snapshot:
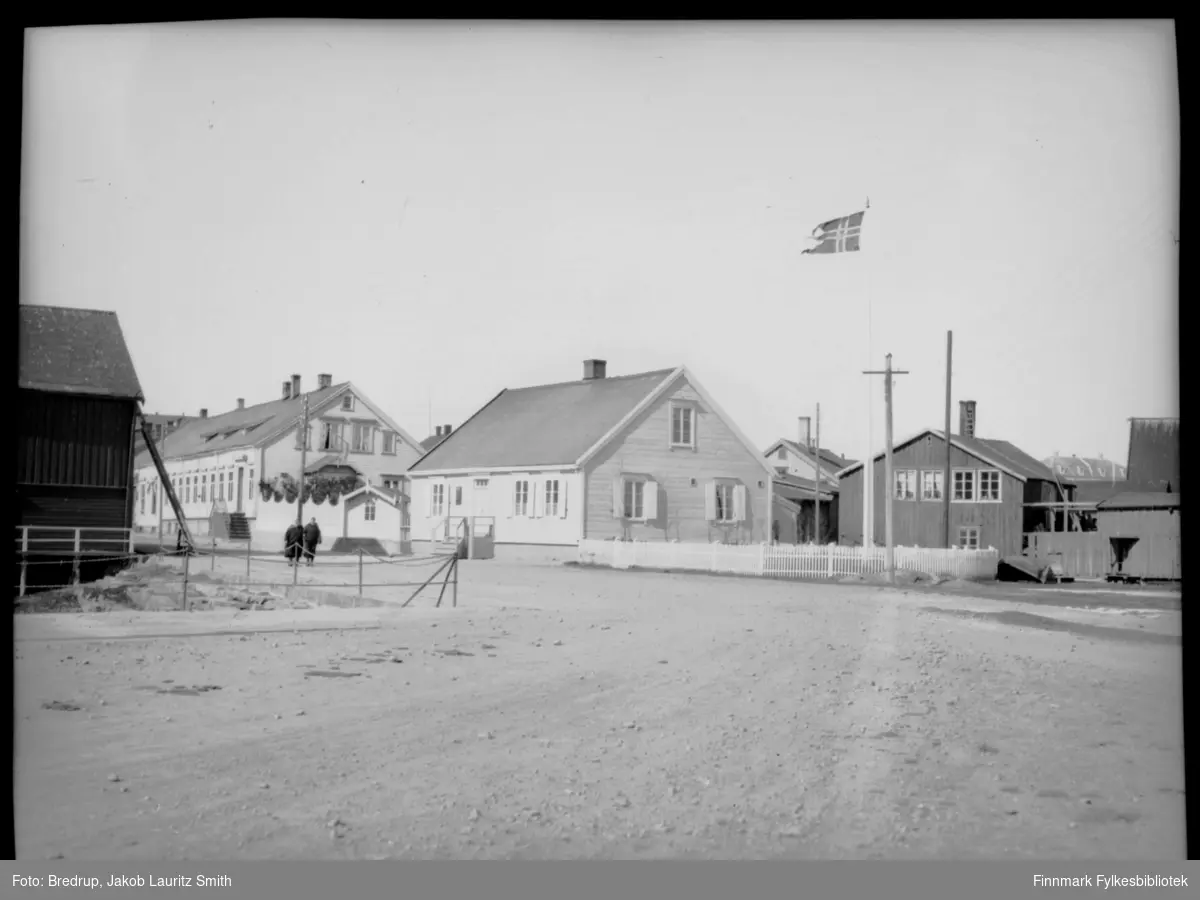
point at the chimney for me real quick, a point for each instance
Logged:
(287, 390)
(437, 430)
(324, 381)
(805, 434)
(446, 429)
(966, 418)
(204, 413)
(295, 385)
(241, 402)
(594, 369)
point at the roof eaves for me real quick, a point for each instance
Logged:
(456, 432)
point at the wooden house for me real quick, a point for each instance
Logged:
(799, 466)
(649, 457)
(77, 396)
(232, 472)
(998, 492)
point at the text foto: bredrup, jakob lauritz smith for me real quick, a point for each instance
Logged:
(126, 881)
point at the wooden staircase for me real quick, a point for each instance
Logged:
(231, 526)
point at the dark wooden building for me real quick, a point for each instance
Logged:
(1143, 531)
(993, 486)
(78, 396)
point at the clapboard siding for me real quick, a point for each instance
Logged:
(66, 439)
(920, 523)
(643, 449)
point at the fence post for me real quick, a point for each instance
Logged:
(187, 555)
(247, 561)
(762, 559)
(454, 594)
(213, 566)
(75, 565)
(829, 562)
(360, 570)
(24, 555)
(131, 542)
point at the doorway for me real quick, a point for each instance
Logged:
(240, 487)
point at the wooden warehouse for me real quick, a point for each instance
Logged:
(1143, 531)
(78, 402)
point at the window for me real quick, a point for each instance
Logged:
(331, 435)
(304, 437)
(968, 538)
(683, 434)
(250, 485)
(229, 489)
(142, 502)
(389, 442)
(782, 453)
(521, 498)
(964, 485)
(369, 510)
(458, 496)
(348, 402)
(725, 501)
(203, 488)
(906, 484)
(931, 485)
(989, 485)
(635, 499)
(481, 484)
(551, 506)
(153, 498)
(437, 499)
(363, 438)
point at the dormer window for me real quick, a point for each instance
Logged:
(348, 403)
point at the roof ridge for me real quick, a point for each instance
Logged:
(246, 409)
(534, 387)
(107, 312)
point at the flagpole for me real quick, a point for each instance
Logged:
(869, 465)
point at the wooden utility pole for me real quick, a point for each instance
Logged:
(946, 472)
(303, 465)
(162, 496)
(889, 489)
(817, 483)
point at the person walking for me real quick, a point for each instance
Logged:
(292, 542)
(312, 537)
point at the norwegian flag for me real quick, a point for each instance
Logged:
(838, 235)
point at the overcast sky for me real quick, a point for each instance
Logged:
(439, 211)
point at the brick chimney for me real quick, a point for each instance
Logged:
(966, 418)
(437, 430)
(241, 402)
(287, 390)
(324, 381)
(805, 431)
(295, 385)
(594, 369)
(204, 413)
(446, 429)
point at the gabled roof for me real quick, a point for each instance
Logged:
(792, 487)
(75, 351)
(564, 424)
(386, 494)
(999, 454)
(255, 426)
(1141, 500)
(830, 459)
(1081, 468)
(1154, 455)
(329, 459)
(547, 425)
(1098, 491)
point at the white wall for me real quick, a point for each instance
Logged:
(219, 469)
(496, 500)
(801, 467)
(274, 519)
(386, 525)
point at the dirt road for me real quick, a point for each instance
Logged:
(570, 713)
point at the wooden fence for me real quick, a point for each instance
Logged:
(786, 560)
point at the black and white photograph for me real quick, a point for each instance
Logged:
(599, 440)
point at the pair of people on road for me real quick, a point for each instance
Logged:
(301, 543)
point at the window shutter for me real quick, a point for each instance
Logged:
(650, 500)
(710, 501)
(537, 499)
(562, 499)
(739, 502)
(618, 497)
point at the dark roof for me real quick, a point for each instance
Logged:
(1141, 500)
(1098, 491)
(228, 430)
(433, 440)
(329, 459)
(1001, 453)
(792, 487)
(549, 425)
(79, 351)
(828, 457)
(1153, 455)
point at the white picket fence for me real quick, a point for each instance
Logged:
(786, 560)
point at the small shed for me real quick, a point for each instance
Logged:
(1143, 531)
(378, 513)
